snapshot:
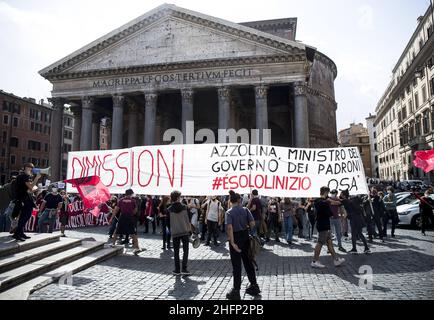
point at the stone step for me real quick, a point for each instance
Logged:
(21, 258)
(19, 275)
(23, 290)
(9, 246)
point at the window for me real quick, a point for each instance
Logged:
(417, 126)
(46, 147)
(102, 140)
(5, 119)
(404, 112)
(34, 145)
(14, 142)
(375, 146)
(5, 135)
(424, 96)
(425, 124)
(23, 160)
(15, 122)
(12, 159)
(416, 100)
(410, 106)
(432, 86)
(67, 148)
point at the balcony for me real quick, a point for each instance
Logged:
(416, 141)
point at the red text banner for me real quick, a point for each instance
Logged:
(214, 169)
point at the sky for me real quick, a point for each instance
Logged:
(365, 38)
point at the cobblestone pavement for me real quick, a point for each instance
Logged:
(403, 268)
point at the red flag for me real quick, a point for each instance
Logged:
(92, 191)
(424, 160)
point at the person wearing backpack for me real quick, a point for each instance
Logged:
(238, 221)
(22, 190)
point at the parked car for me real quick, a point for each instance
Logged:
(409, 214)
(411, 185)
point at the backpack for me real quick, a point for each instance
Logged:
(254, 248)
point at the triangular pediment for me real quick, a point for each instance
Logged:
(169, 34)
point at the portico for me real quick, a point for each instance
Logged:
(173, 65)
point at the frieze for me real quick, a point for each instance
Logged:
(227, 62)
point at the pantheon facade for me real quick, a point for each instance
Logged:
(172, 65)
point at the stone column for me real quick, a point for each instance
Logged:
(187, 110)
(96, 126)
(86, 124)
(76, 110)
(133, 115)
(224, 98)
(301, 116)
(150, 118)
(117, 121)
(261, 110)
(56, 139)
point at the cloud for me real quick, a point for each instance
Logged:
(22, 17)
(366, 18)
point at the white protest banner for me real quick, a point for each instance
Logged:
(214, 169)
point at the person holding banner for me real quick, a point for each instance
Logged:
(324, 213)
(238, 220)
(127, 207)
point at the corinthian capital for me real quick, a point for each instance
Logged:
(261, 92)
(87, 102)
(300, 88)
(118, 100)
(187, 95)
(57, 103)
(151, 98)
(224, 93)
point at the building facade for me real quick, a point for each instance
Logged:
(25, 134)
(173, 65)
(357, 136)
(405, 113)
(372, 132)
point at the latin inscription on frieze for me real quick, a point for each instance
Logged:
(173, 78)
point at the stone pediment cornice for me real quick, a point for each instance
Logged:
(227, 62)
(162, 12)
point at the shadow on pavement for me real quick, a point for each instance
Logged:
(185, 288)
